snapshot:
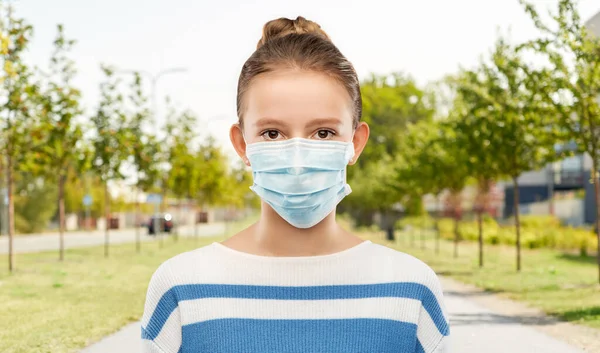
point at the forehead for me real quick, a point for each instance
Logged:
(296, 96)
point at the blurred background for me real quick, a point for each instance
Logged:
(483, 159)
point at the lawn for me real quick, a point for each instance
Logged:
(561, 284)
(53, 307)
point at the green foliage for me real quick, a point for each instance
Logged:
(537, 232)
(422, 221)
(504, 125)
(237, 191)
(212, 176)
(145, 148)
(432, 160)
(77, 187)
(373, 186)
(111, 144)
(570, 83)
(18, 126)
(183, 173)
(61, 108)
(390, 104)
(35, 204)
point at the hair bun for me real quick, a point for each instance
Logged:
(283, 26)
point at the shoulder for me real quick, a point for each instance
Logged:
(405, 267)
(406, 263)
(180, 268)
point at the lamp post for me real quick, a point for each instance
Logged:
(593, 24)
(153, 102)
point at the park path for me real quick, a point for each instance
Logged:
(79, 239)
(480, 322)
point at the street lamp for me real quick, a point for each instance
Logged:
(593, 24)
(153, 82)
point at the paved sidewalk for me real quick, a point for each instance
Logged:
(480, 322)
(43, 242)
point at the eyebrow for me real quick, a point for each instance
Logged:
(267, 122)
(325, 121)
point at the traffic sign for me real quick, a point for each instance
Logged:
(87, 200)
(154, 198)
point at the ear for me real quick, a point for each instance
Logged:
(361, 136)
(239, 143)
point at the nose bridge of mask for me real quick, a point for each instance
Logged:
(297, 160)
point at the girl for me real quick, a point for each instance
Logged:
(296, 281)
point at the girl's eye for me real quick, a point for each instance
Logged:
(271, 135)
(324, 134)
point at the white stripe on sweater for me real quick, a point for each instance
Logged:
(198, 310)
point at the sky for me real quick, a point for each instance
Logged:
(212, 39)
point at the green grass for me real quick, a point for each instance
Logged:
(51, 307)
(560, 284)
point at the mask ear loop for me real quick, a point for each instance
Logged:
(351, 158)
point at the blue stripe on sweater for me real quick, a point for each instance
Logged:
(170, 299)
(420, 348)
(301, 336)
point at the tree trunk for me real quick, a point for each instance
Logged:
(138, 241)
(437, 236)
(423, 229)
(107, 216)
(597, 199)
(480, 225)
(517, 222)
(11, 212)
(437, 227)
(551, 189)
(162, 210)
(176, 223)
(61, 216)
(195, 224)
(456, 236)
(389, 224)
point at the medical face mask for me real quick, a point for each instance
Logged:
(303, 180)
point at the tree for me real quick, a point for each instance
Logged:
(18, 128)
(433, 162)
(454, 173)
(519, 126)
(64, 135)
(144, 147)
(238, 181)
(389, 104)
(476, 130)
(34, 206)
(110, 142)
(375, 189)
(212, 174)
(570, 83)
(182, 180)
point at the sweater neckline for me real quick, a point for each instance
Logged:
(309, 258)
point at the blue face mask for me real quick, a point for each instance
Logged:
(303, 180)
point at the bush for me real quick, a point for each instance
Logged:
(423, 221)
(536, 232)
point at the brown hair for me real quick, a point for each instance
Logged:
(299, 44)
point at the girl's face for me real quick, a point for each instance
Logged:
(286, 104)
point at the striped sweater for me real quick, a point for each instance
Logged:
(367, 299)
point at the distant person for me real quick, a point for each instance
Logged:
(296, 281)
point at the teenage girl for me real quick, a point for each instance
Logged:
(295, 281)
